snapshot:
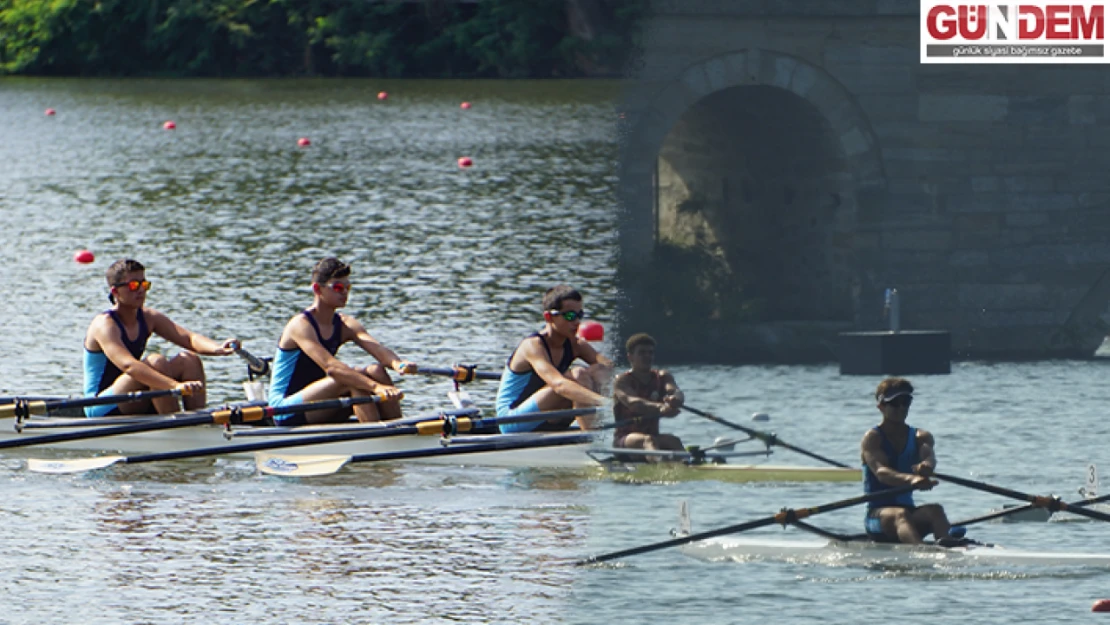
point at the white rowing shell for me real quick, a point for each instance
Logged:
(837, 552)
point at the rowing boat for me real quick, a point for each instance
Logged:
(855, 552)
(591, 459)
(851, 552)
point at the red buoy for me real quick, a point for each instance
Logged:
(382, 95)
(169, 125)
(304, 142)
(1102, 605)
(591, 331)
(465, 162)
(84, 257)
(50, 112)
(464, 105)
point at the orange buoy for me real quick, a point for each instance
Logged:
(591, 331)
(169, 125)
(464, 105)
(304, 142)
(382, 95)
(50, 112)
(84, 257)
(465, 162)
(1102, 605)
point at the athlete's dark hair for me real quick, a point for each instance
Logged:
(553, 299)
(328, 269)
(118, 269)
(637, 340)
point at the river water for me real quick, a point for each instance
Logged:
(229, 216)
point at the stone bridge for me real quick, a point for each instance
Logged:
(786, 161)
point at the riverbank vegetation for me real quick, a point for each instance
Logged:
(386, 38)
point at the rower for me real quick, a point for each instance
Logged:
(116, 340)
(644, 391)
(895, 454)
(538, 375)
(305, 367)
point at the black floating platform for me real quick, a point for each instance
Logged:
(909, 352)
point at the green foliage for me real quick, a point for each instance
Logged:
(429, 38)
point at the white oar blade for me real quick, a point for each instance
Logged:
(78, 465)
(298, 466)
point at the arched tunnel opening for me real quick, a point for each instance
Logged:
(754, 213)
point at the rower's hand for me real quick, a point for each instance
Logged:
(189, 387)
(389, 393)
(404, 367)
(920, 482)
(923, 469)
(228, 347)
(670, 408)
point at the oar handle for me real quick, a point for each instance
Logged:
(460, 373)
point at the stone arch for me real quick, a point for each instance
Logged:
(717, 86)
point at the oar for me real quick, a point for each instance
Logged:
(255, 365)
(307, 466)
(460, 373)
(767, 438)
(10, 399)
(1051, 503)
(786, 515)
(167, 422)
(449, 427)
(1016, 509)
(80, 465)
(23, 408)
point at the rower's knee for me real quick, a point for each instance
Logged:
(159, 363)
(582, 377)
(378, 373)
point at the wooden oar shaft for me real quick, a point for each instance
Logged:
(786, 515)
(1038, 501)
(766, 437)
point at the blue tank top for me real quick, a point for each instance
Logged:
(900, 462)
(100, 372)
(517, 387)
(293, 370)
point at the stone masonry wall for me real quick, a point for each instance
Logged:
(980, 192)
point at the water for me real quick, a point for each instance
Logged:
(229, 216)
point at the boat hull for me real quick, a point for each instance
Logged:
(863, 552)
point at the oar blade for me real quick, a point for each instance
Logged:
(293, 465)
(76, 465)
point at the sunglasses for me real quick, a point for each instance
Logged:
(340, 287)
(900, 402)
(134, 285)
(570, 315)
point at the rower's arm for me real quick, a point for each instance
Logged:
(562, 385)
(871, 450)
(925, 452)
(166, 328)
(625, 393)
(108, 338)
(304, 336)
(371, 346)
(671, 393)
(589, 355)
